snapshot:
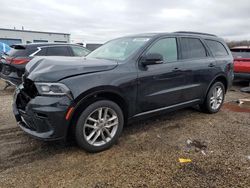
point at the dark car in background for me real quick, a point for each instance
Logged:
(12, 64)
(125, 79)
(241, 56)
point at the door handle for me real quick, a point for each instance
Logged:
(211, 65)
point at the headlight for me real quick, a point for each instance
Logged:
(53, 89)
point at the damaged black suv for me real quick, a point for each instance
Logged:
(126, 78)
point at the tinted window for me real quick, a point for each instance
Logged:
(35, 41)
(217, 48)
(78, 51)
(58, 51)
(42, 52)
(21, 51)
(167, 48)
(192, 48)
(241, 53)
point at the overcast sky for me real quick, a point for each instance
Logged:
(99, 21)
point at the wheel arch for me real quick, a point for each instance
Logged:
(222, 78)
(88, 97)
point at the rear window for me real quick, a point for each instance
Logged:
(217, 48)
(58, 51)
(240, 53)
(21, 51)
(78, 51)
(192, 48)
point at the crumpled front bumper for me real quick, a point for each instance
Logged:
(42, 117)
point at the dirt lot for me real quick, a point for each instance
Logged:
(146, 155)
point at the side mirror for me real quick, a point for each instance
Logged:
(152, 59)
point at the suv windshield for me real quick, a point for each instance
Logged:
(119, 49)
(240, 53)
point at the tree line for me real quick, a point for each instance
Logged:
(232, 44)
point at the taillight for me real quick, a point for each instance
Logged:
(8, 59)
(19, 61)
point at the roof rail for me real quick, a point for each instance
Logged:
(197, 33)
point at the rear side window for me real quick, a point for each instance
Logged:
(42, 52)
(78, 51)
(166, 47)
(217, 48)
(58, 51)
(192, 48)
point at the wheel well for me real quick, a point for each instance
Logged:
(93, 98)
(223, 80)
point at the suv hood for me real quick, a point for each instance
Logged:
(51, 69)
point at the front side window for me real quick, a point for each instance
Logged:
(217, 48)
(77, 51)
(166, 47)
(119, 49)
(192, 48)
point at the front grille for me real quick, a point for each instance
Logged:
(29, 87)
(27, 93)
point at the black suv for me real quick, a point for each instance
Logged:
(126, 78)
(12, 64)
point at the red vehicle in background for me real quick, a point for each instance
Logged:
(241, 56)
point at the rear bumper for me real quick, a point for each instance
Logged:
(15, 81)
(42, 117)
(11, 74)
(242, 75)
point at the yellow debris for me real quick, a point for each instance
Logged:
(182, 160)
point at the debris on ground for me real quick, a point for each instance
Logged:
(183, 160)
(244, 101)
(245, 89)
(196, 145)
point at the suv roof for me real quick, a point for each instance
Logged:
(189, 33)
(42, 44)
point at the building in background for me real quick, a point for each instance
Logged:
(15, 36)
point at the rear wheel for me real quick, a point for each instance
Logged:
(99, 126)
(214, 98)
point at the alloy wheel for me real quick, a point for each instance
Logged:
(216, 98)
(100, 126)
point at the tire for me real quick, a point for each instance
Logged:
(95, 132)
(208, 106)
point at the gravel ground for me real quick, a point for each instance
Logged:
(146, 155)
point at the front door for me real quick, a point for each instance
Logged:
(161, 85)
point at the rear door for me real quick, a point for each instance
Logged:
(196, 58)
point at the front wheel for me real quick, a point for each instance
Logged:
(214, 98)
(99, 126)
